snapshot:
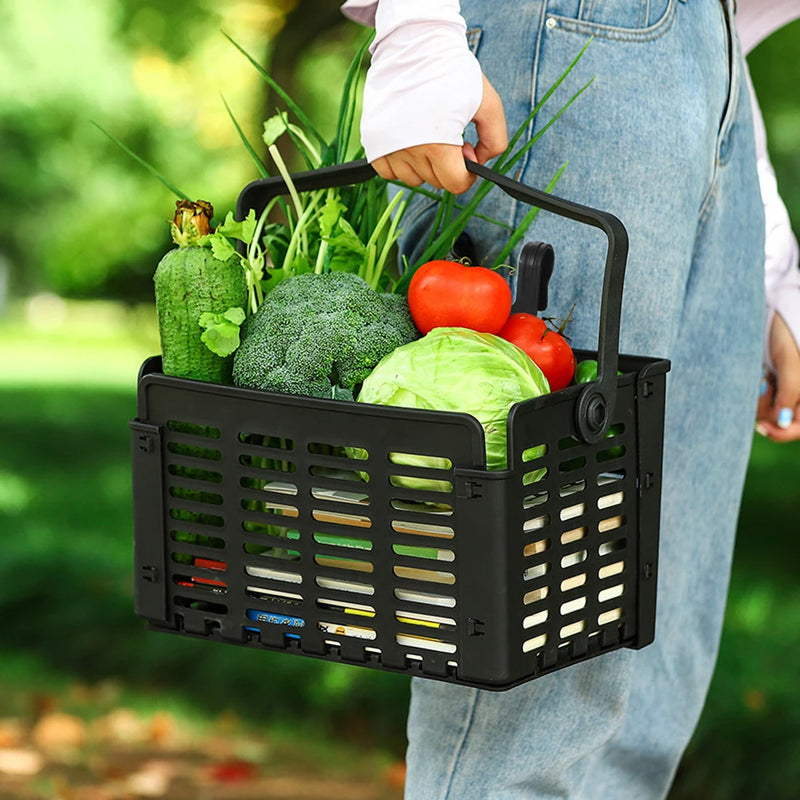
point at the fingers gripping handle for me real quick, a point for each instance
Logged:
(595, 405)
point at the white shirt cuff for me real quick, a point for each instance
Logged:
(424, 86)
(386, 15)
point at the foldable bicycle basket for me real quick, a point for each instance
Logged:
(254, 526)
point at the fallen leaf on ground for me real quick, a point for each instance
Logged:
(218, 748)
(233, 771)
(21, 762)
(59, 731)
(122, 725)
(162, 728)
(11, 732)
(395, 775)
(152, 780)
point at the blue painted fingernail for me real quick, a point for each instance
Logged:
(785, 417)
(762, 389)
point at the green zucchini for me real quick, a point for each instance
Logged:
(190, 281)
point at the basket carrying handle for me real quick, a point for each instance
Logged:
(595, 406)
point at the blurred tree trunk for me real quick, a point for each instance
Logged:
(306, 23)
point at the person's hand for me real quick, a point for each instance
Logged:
(778, 415)
(442, 165)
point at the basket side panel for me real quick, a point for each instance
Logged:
(485, 590)
(148, 512)
(578, 573)
(323, 527)
(651, 398)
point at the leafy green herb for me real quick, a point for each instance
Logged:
(323, 230)
(280, 91)
(221, 334)
(260, 166)
(243, 230)
(279, 124)
(349, 228)
(223, 248)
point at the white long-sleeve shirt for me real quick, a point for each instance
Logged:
(424, 86)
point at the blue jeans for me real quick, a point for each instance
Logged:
(663, 139)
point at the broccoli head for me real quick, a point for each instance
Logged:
(320, 335)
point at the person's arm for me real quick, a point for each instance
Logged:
(423, 87)
(778, 413)
(779, 407)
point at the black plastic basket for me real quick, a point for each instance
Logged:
(254, 526)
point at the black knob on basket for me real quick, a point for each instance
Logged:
(534, 271)
(464, 248)
(591, 415)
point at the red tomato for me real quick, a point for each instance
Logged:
(549, 349)
(444, 294)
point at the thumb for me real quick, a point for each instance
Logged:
(490, 123)
(469, 151)
(787, 390)
(786, 359)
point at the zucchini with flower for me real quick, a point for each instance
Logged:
(196, 289)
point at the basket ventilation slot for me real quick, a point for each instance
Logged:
(575, 580)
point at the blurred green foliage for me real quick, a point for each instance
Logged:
(80, 218)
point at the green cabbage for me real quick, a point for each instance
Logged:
(457, 369)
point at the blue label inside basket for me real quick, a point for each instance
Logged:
(274, 619)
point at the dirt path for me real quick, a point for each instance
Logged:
(126, 755)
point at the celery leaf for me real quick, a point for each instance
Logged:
(221, 247)
(221, 334)
(243, 231)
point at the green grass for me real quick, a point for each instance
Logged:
(67, 391)
(48, 342)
